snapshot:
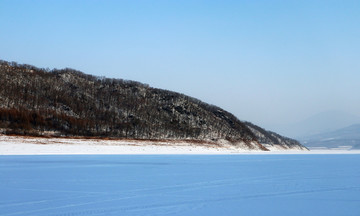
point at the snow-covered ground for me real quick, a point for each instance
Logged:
(179, 185)
(19, 145)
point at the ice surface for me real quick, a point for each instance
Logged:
(69, 185)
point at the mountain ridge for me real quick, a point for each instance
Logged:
(347, 137)
(322, 122)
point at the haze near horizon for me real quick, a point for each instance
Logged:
(271, 63)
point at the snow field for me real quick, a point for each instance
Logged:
(17, 145)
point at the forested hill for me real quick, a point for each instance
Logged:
(70, 103)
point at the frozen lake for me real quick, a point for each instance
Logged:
(180, 185)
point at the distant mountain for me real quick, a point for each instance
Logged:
(320, 123)
(67, 102)
(348, 138)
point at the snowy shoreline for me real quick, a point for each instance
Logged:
(18, 145)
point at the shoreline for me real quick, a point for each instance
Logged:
(22, 145)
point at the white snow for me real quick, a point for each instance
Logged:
(18, 145)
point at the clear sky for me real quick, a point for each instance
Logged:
(268, 62)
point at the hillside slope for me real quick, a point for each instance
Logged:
(67, 102)
(272, 140)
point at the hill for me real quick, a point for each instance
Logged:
(36, 101)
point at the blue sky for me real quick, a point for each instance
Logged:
(269, 62)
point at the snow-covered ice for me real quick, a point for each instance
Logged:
(64, 185)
